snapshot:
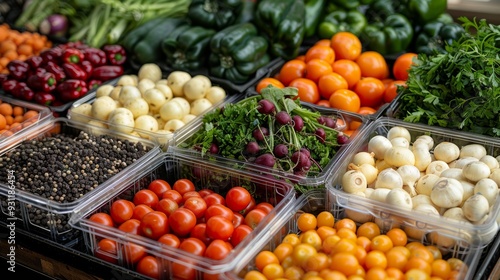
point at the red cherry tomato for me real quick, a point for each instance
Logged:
(121, 210)
(204, 192)
(219, 227)
(154, 224)
(219, 210)
(218, 250)
(182, 221)
(140, 211)
(149, 266)
(214, 198)
(199, 231)
(196, 204)
(102, 218)
(238, 198)
(254, 217)
(167, 206)
(240, 232)
(170, 239)
(131, 226)
(249, 207)
(183, 186)
(189, 194)
(107, 250)
(266, 206)
(147, 197)
(174, 195)
(159, 186)
(238, 219)
(193, 246)
(133, 252)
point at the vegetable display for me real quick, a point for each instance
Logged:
(270, 130)
(460, 88)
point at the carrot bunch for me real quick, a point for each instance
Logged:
(19, 45)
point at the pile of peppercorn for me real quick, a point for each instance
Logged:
(63, 73)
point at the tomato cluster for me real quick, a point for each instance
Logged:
(201, 222)
(337, 73)
(329, 249)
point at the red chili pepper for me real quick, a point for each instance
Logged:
(57, 70)
(72, 89)
(115, 54)
(45, 82)
(107, 72)
(94, 84)
(44, 98)
(96, 56)
(18, 69)
(71, 55)
(34, 61)
(74, 71)
(9, 85)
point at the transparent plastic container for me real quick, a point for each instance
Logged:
(16, 134)
(49, 217)
(480, 234)
(204, 174)
(315, 201)
(164, 140)
(310, 180)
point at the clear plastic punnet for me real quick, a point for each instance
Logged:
(449, 219)
(163, 138)
(175, 263)
(318, 200)
(39, 194)
(13, 135)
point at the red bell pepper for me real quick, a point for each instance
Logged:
(3, 78)
(94, 84)
(96, 56)
(72, 56)
(26, 93)
(18, 69)
(45, 82)
(57, 70)
(53, 54)
(21, 91)
(34, 61)
(73, 71)
(9, 85)
(87, 67)
(72, 89)
(107, 72)
(115, 54)
(44, 98)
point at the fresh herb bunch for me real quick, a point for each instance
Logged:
(460, 88)
(270, 130)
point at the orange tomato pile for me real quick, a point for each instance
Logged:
(329, 249)
(336, 73)
(14, 117)
(19, 45)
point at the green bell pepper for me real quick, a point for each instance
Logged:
(282, 23)
(148, 48)
(187, 47)
(423, 11)
(352, 21)
(214, 14)
(237, 52)
(314, 10)
(390, 36)
(345, 4)
(435, 35)
(247, 13)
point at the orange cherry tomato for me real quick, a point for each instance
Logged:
(268, 81)
(346, 45)
(370, 91)
(329, 83)
(315, 68)
(392, 90)
(349, 70)
(345, 99)
(308, 90)
(292, 70)
(373, 64)
(402, 65)
(325, 53)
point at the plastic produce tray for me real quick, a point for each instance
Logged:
(171, 167)
(311, 180)
(48, 217)
(163, 140)
(475, 234)
(315, 201)
(14, 135)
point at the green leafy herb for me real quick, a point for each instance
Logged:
(231, 128)
(460, 88)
